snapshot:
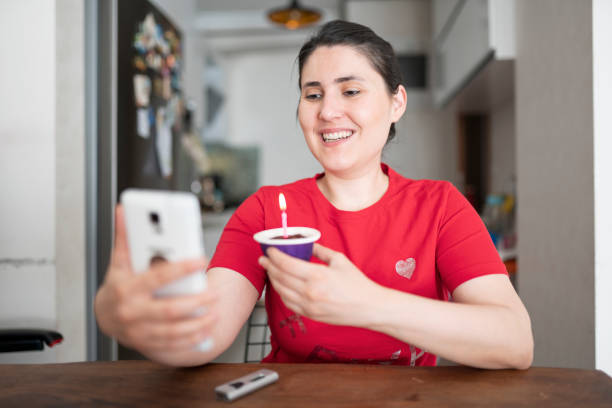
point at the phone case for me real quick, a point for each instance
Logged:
(165, 225)
(246, 384)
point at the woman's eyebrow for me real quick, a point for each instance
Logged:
(311, 83)
(348, 78)
(337, 80)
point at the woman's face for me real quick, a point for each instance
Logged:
(345, 110)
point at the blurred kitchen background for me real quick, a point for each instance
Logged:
(507, 99)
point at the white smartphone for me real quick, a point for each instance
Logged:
(165, 226)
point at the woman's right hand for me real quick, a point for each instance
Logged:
(127, 309)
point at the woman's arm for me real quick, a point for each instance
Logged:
(486, 325)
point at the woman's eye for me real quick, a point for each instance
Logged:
(351, 92)
(313, 96)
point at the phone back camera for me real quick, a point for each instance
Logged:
(154, 217)
(155, 220)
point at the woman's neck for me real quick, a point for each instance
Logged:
(356, 191)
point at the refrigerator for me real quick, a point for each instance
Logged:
(134, 70)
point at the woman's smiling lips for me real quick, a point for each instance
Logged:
(335, 135)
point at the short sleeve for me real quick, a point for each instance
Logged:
(237, 250)
(464, 248)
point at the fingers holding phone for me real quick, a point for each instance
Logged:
(169, 324)
(128, 309)
(154, 291)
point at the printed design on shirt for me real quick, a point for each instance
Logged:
(414, 355)
(405, 268)
(394, 359)
(288, 322)
(320, 354)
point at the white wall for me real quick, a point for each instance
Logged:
(70, 258)
(27, 167)
(425, 146)
(262, 97)
(602, 147)
(42, 211)
(554, 114)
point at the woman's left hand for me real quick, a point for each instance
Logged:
(334, 293)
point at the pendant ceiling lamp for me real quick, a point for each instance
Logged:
(294, 16)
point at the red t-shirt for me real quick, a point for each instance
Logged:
(421, 237)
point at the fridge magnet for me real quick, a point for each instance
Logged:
(171, 111)
(142, 123)
(163, 144)
(139, 64)
(142, 90)
(145, 38)
(157, 87)
(166, 91)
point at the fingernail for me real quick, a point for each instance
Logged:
(260, 260)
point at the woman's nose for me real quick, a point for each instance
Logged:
(331, 108)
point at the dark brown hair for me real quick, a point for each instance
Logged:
(378, 51)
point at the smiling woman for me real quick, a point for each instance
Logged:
(345, 110)
(392, 250)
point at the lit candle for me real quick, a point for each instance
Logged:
(283, 206)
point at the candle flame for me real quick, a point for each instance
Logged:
(281, 202)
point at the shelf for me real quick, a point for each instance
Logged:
(507, 254)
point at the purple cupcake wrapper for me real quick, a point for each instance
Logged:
(302, 251)
(294, 247)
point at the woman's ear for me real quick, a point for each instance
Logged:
(398, 103)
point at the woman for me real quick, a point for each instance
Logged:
(392, 249)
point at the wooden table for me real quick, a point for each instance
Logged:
(142, 383)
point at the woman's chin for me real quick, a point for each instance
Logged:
(338, 166)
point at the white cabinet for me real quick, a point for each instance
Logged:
(404, 24)
(441, 12)
(468, 35)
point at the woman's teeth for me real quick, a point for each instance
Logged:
(330, 137)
